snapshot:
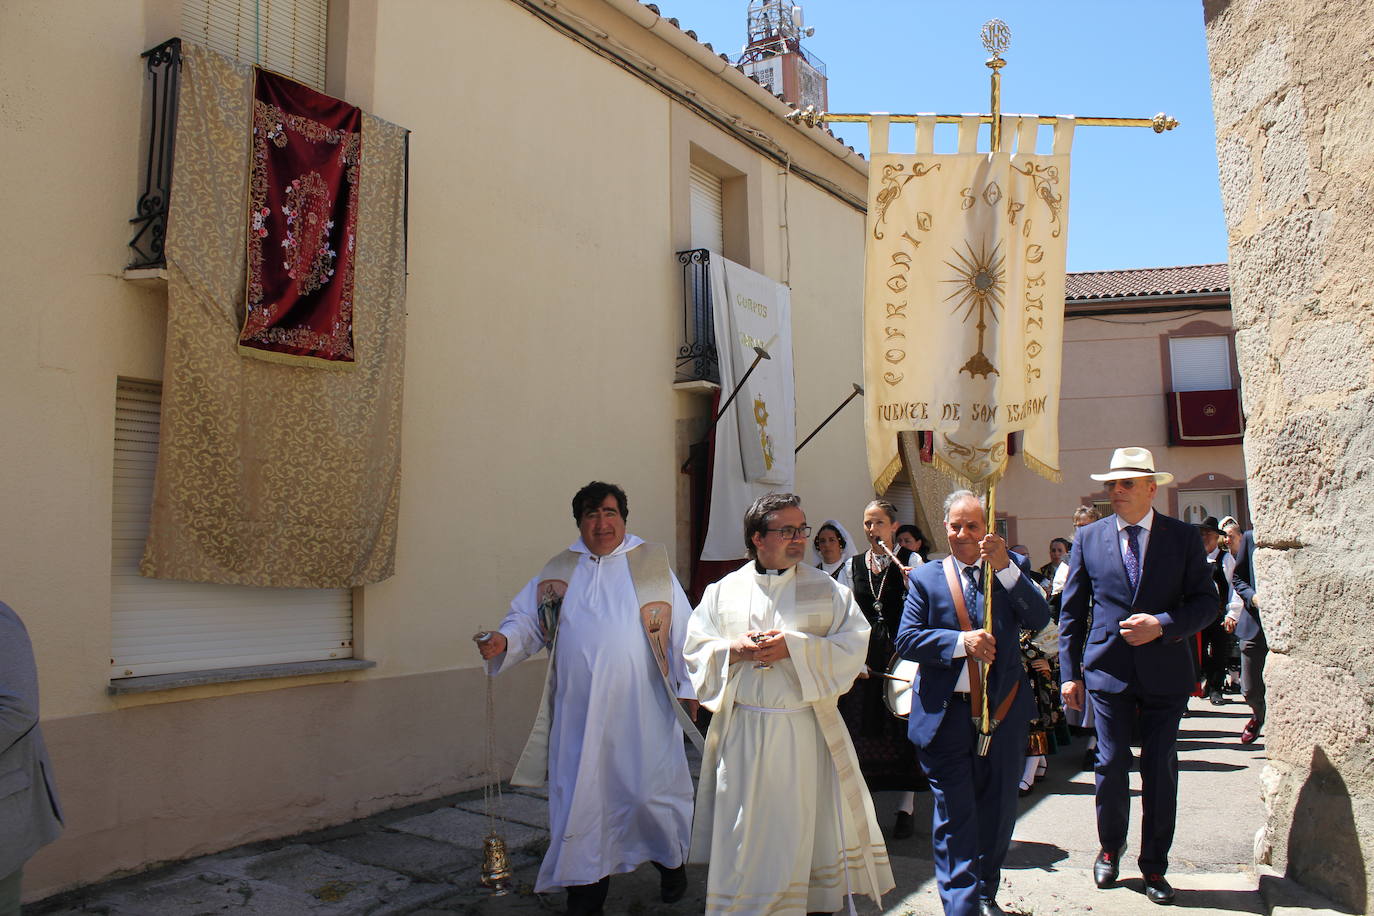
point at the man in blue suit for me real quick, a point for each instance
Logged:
(1247, 626)
(1146, 578)
(941, 629)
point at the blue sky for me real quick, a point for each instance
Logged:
(1137, 199)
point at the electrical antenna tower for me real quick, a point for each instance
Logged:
(775, 57)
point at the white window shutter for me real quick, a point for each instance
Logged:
(708, 210)
(286, 36)
(1200, 363)
(162, 626)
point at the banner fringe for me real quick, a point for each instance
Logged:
(888, 475)
(1044, 470)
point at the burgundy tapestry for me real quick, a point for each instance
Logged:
(1205, 417)
(302, 221)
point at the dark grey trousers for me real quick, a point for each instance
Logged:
(9, 893)
(1253, 652)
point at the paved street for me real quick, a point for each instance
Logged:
(425, 859)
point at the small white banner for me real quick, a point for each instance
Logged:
(756, 440)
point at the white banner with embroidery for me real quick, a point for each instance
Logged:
(756, 440)
(964, 299)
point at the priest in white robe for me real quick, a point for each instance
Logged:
(783, 817)
(610, 728)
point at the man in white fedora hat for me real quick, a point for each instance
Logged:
(1145, 576)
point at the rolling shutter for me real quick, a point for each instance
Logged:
(287, 36)
(161, 626)
(1200, 363)
(708, 210)
(901, 496)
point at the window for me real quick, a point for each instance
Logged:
(161, 626)
(708, 209)
(1194, 506)
(287, 36)
(1200, 363)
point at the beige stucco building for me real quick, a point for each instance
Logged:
(552, 156)
(1134, 340)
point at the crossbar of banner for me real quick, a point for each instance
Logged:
(813, 118)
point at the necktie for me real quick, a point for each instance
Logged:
(975, 606)
(1133, 554)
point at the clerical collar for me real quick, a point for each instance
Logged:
(758, 569)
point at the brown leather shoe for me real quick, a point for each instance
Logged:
(1250, 732)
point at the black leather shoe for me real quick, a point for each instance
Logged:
(1216, 699)
(1089, 759)
(1106, 868)
(1158, 890)
(904, 827)
(672, 883)
(988, 907)
(588, 899)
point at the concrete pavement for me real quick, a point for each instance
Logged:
(425, 859)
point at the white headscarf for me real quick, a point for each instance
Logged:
(849, 550)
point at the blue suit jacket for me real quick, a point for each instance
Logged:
(1175, 586)
(1243, 581)
(929, 634)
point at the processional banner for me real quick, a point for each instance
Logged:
(756, 440)
(964, 299)
(302, 225)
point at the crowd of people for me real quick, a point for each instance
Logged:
(871, 667)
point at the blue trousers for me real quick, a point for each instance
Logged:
(1158, 716)
(975, 805)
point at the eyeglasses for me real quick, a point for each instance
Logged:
(1125, 483)
(792, 534)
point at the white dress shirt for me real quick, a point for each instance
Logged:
(1008, 577)
(1235, 604)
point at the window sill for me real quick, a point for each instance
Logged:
(146, 276)
(148, 683)
(700, 385)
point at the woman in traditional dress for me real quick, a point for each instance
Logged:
(886, 756)
(1048, 730)
(834, 548)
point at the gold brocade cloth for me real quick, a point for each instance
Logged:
(268, 474)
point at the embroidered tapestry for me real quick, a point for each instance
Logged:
(302, 225)
(1198, 418)
(271, 474)
(964, 299)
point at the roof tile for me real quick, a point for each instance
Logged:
(1148, 281)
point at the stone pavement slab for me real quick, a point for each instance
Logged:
(425, 859)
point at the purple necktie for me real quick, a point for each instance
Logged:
(1133, 555)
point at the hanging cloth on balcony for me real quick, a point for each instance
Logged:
(270, 474)
(302, 225)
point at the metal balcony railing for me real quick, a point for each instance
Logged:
(697, 358)
(163, 76)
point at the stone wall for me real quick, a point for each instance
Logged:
(1293, 93)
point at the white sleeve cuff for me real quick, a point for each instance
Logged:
(960, 650)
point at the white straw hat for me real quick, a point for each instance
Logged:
(1133, 462)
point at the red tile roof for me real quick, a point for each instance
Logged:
(1148, 281)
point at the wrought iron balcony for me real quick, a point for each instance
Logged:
(163, 76)
(697, 358)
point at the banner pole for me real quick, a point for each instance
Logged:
(985, 723)
(858, 390)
